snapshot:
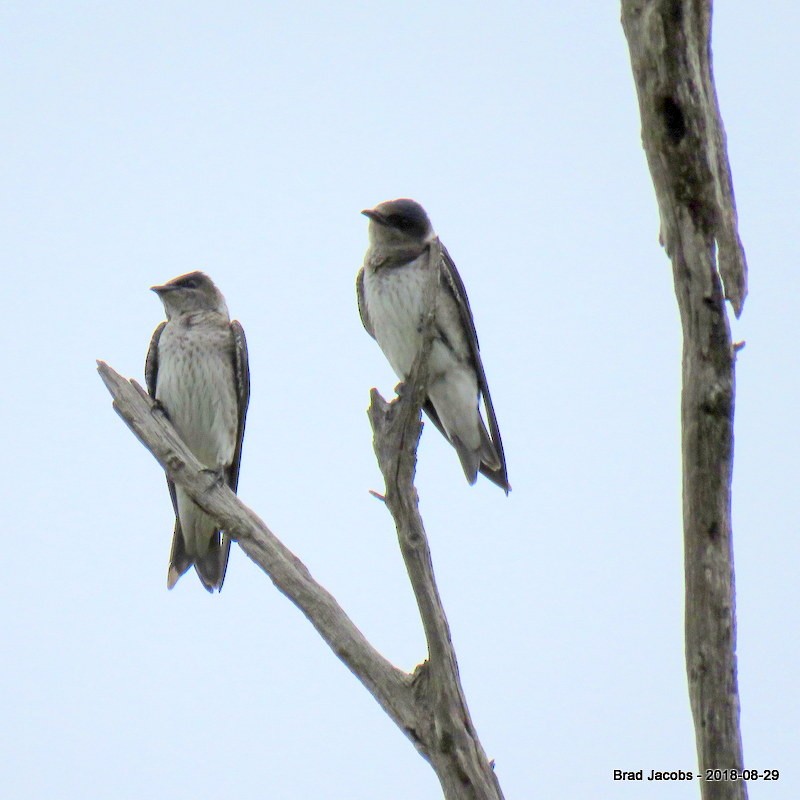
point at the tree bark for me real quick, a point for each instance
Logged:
(429, 705)
(448, 736)
(684, 140)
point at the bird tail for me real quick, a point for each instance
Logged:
(470, 459)
(488, 454)
(492, 462)
(484, 459)
(210, 567)
(179, 559)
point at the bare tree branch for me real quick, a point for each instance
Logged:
(683, 137)
(447, 736)
(391, 687)
(428, 706)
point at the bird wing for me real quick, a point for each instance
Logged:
(241, 371)
(151, 362)
(362, 304)
(151, 379)
(452, 282)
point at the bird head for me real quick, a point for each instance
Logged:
(399, 223)
(188, 293)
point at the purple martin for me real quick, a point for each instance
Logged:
(390, 289)
(197, 370)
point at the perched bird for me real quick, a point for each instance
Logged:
(390, 288)
(197, 370)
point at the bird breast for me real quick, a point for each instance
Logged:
(196, 386)
(395, 303)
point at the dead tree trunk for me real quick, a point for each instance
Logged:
(428, 705)
(683, 137)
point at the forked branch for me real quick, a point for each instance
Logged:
(447, 735)
(428, 705)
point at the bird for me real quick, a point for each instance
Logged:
(197, 371)
(390, 288)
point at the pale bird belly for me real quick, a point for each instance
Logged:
(395, 305)
(394, 299)
(454, 394)
(198, 395)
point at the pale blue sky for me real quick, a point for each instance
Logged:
(143, 140)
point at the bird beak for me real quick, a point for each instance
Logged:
(374, 215)
(159, 290)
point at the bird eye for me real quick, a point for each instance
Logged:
(399, 221)
(191, 283)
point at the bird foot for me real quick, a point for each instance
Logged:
(218, 474)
